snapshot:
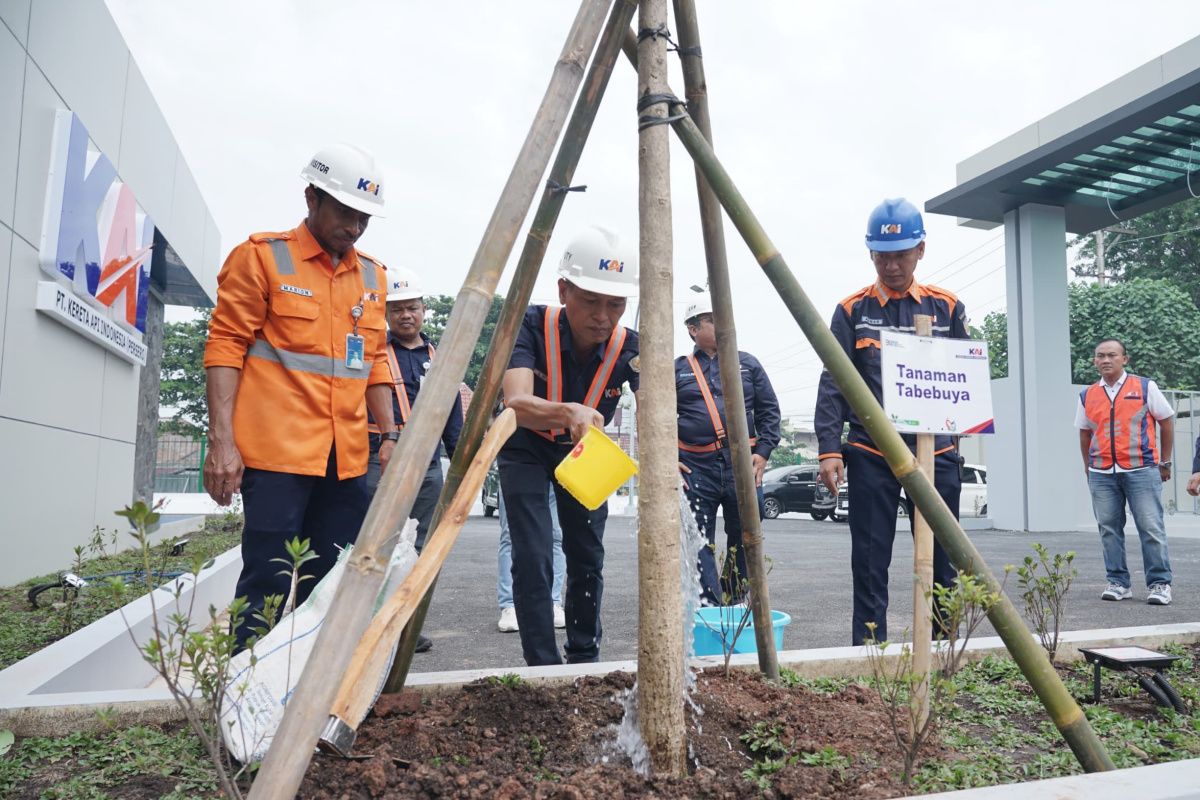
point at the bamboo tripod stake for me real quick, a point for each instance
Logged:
(727, 350)
(922, 636)
(660, 602)
(349, 613)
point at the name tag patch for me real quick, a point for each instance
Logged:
(283, 287)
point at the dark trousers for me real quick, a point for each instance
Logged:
(711, 485)
(524, 480)
(874, 498)
(279, 506)
(427, 495)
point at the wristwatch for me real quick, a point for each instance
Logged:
(1166, 464)
(390, 436)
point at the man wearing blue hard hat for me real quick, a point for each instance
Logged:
(896, 242)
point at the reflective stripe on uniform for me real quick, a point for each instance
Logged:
(370, 279)
(283, 257)
(595, 392)
(399, 389)
(305, 362)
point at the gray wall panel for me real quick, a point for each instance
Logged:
(148, 152)
(15, 14)
(37, 128)
(12, 85)
(77, 45)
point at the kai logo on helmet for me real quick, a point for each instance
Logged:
(891, 228)
(611, 265)
(370, 187)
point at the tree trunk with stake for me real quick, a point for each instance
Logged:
(487, 389)
(712, 226)
(353, 603)
(922, 637)
(1026, 652)
(660, 601)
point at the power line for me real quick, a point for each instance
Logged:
(981, 277)
(969, 263)
(956, 259)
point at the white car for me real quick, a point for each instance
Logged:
(971, 503)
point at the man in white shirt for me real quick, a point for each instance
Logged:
(1117, 418)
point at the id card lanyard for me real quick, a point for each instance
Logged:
(355, 344)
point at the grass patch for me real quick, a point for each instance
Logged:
(24, 630)
(142, 761)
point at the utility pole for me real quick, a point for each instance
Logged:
(1102, 246)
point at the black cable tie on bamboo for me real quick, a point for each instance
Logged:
(557, 188)
(689, 51)
(654, 33)
(648, 100)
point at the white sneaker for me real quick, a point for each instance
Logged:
(560, 616)
(1115, 591)
(1160, 595)
(508, 620)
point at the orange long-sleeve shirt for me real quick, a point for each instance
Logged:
(282, 317)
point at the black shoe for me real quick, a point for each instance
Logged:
(424, 644)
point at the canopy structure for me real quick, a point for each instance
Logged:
(1127, 148)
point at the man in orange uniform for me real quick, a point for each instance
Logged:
(296, 343)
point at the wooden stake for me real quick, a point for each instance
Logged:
(922, 637)
(351, 609)
(711, 224)
(487, 389)
(366, 666)
(660, 606)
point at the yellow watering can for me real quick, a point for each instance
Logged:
(594, 469)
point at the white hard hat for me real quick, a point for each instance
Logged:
(403, 284)
(349, 175)
(701, 304)
(597, 261)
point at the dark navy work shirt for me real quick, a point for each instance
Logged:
(695, 424)
(529, 352)
(414, 363)
(857, 322)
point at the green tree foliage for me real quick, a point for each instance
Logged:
(789, 451)
(995, 333)
(182, 377)
(1165, 245)
(437, 314)
(1157, 321)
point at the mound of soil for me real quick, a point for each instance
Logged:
(493, 740)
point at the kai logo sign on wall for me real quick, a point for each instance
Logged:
(96, 243)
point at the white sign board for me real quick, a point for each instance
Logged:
(61, 305)
(933, 385)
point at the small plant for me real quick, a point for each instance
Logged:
(1044, 584)
(537, 750)
(71, 592)
(101, 540)
(962, 608)
(509, 680)
(735, 619)
(765, 740)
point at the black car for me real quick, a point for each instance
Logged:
(490, 496)
(797, 488)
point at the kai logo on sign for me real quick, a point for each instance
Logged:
(95, 237)
(611, 265)
(370, 187)
(894, 227)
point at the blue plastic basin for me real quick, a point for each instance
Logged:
(714, 626)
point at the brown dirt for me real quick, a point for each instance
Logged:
(558, 742)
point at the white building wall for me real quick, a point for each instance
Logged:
(67, 406)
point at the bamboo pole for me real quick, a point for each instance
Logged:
(712, 226)
(922, 637)
(351, 609)
(660, 602)
(479, 414)
(1029, 656)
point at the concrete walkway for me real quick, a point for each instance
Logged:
(810, 579)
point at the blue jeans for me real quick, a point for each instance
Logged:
(504, 597)
(1142, 489)
(711, 485)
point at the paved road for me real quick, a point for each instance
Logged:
(810, 580)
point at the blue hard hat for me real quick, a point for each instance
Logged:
(895, 224)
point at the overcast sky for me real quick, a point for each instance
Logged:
(819, 111)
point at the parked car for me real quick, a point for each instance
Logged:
(972, 502)
(491, 491)
(796, 488)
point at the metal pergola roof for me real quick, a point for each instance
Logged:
(1130, 147)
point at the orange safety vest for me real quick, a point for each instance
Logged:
(398, 388)
(1124, 430)
(554, 370)
(282, 316)
(714, 415)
